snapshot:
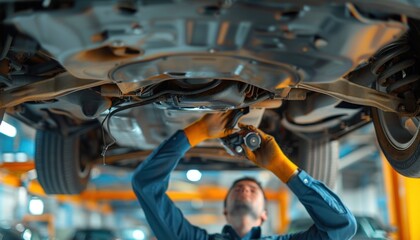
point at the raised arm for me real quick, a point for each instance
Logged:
(151, 178)
(332, 219)
(150, 182)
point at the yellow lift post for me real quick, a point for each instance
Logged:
(403, 195)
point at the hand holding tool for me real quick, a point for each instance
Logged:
(269, 155)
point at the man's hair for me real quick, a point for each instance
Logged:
(245, 179)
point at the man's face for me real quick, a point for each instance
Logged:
(246, 198)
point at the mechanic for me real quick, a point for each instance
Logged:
(245, 202)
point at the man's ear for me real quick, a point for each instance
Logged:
(264, 216)
(225, 212)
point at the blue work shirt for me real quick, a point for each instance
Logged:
(150, 182)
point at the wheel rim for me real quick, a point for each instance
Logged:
(401, 132)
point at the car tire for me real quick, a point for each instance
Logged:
(61, 163)
(400, 146)
(319, 158)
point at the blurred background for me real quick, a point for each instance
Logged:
(383, 202)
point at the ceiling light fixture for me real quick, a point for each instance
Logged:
(7, 129)
(193, 175)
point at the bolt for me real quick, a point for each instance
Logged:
(239, 149)
(402, 108)
(320, 42)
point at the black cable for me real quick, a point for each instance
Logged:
(144, 101)
(109, 116)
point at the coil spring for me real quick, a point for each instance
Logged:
(393, 66)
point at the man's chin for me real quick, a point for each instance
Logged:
(243, 208)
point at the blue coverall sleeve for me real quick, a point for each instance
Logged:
(150, 182)
(332, 219)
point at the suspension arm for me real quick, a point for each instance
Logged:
(46, 89)
(356, 94)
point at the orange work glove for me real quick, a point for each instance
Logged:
(270, 156)
(211, 125)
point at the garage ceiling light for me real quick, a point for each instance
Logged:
(7, 129)
(193, 175)
(27, 234)
(138, 234)
(36, 206)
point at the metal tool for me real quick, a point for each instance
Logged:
(233, 143)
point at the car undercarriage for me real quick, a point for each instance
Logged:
(110, 80)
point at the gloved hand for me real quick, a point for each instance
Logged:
(211, 125)
(270, 156)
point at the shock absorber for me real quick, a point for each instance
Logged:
(396, 68)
